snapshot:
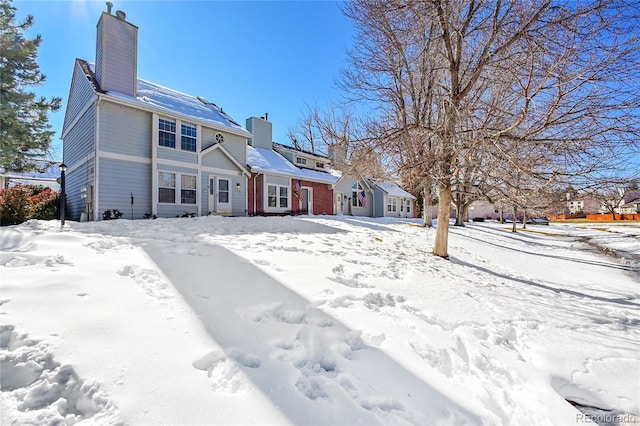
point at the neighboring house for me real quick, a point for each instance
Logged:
(389, 200)
(631, 203)
(277, 186)
(138, 147)
(353, 196)
(46, 174)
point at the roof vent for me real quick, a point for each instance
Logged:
(121, 15)
(109, 6)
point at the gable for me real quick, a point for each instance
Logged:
(80, 93)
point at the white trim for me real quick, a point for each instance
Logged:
(277, 209)
(224, 150)
(154, 163)
(96, 163)
(123, 157)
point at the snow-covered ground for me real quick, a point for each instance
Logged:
(317, 321)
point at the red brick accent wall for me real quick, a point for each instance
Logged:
(322, 197)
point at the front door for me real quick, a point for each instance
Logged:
(339, 203)
(306, 203)
(220, 195)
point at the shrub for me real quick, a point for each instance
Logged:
(20, 203)
(478, 219)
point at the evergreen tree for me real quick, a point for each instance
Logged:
(24, 123)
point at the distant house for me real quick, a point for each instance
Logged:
(631, 203)
(285, 180)
(359, 196)
(137, 146)
(46, 174)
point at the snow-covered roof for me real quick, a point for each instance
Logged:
(162, 99)
(262, 160)
(391, 188)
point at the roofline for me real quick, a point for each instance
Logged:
(291, 176)
(137, 103)
(294, 149)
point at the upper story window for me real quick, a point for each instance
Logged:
(189, 133)
(301, 161)
(319, 165)
(219, 137)
(167, 135)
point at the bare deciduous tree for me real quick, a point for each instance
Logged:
(548, 90)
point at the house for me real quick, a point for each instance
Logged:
(389, 200)
(285, 180)
(46, 174)
(139, 147)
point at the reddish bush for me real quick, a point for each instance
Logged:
(23, 202)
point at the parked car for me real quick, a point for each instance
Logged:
(538, 220)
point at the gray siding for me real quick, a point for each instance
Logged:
(80, 177)
(238, 198)
(236, 145)
(177, 155)
(125, 130)
(379, 201)
(173, 210)
(118, 180)
(79, 94)
(80, 140)
(344, 186)
(276, 180)
(262, 132)
(219, 160)
(117, 55)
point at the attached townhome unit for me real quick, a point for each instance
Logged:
(144, 149)
(277, 185)
(389, 200)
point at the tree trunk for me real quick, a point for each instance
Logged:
(426, 206)
(441, 243)
(515, 219)
(524, 219)
(461, 212)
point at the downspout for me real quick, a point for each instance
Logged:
(254, 193)
(96, 161)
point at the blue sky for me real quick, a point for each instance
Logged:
(249, 57)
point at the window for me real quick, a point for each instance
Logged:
(392, 205)
(408, 206)
(223, 190)
(219, 138)
(301, 161)
(356, 201)
(272, 191)
(188, 141)
(284, 196)
(166, 187)
(278, 196)
(167, 135)
(188, 189)
(319, 165)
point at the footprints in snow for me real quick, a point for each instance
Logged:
(39, 390)
(149, 280)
